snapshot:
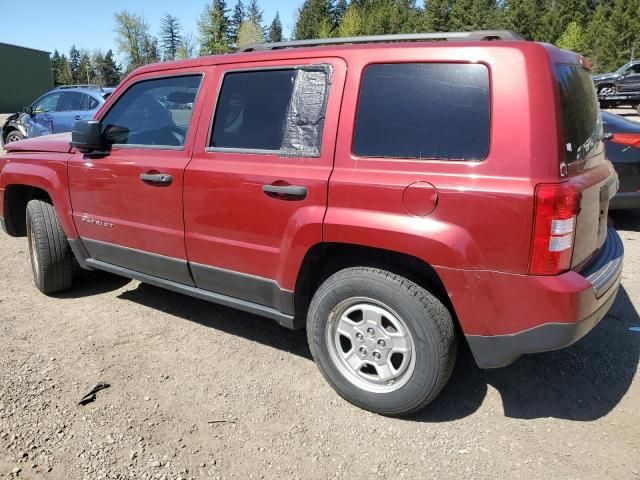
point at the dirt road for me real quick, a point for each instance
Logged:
(200, 391)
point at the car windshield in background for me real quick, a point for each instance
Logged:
(153, 112)
(580, 112)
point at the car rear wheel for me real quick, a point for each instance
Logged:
(383, 342)
(14, 136)
(49, 250)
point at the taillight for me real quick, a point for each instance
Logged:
(630, 139)
(554, 223)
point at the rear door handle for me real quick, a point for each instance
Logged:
(285, 192)
(77, 117)
(156, 178)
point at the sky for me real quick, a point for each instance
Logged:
(48, 25)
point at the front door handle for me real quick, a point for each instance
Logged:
(156, 178)
(285, 192)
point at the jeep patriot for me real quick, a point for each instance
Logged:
(394, 195)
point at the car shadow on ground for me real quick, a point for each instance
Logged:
(228, 320)
(89, 283)
(626, 219)
(583, 382)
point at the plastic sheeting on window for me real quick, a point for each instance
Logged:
(306, 114)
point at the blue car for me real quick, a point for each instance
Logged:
(54, 112)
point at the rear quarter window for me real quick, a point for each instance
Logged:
(423, 111)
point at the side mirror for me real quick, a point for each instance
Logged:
(87, 136)
(28, 110)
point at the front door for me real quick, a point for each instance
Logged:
(256, 188)
(630, 82)
(40, 122)
(127, 204)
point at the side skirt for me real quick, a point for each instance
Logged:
(283, 319)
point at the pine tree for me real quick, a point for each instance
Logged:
(254, 14)
(55, 67)
(405, 17)
(170, 36)
(436, 15)
(602, 40)
(250, 34)
(339, 9)
(351, 24)
(236, 20)
(467, 15)
(74, 63)
(64, 74)
(213, 26)
(275, 30)
(522, 16)
(311, 16)
(573, 38)
(85, 69)
(109, 70)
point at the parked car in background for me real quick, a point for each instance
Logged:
(54, 112)
(623, 150)
(625, 79)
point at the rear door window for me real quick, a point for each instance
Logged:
(278, 111)
(423, 111)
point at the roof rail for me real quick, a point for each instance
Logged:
(93, 87)
(408, 37)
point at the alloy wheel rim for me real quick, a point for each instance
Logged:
(370, 345)
(12, 137)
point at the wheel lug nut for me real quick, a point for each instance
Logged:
(382, 343)
(363, 350)
(371, 332)
(376, 355)
(360, 337)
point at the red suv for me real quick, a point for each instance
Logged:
(395, 195)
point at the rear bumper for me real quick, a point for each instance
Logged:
(518, 314)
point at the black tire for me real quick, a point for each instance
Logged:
(49, 250)
(13, 136)
(427, 320)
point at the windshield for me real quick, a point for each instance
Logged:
(622, 68)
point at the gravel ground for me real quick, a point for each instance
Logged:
(204, 392)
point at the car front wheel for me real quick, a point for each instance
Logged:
(383, 342)
(51, 256)
(14, 136)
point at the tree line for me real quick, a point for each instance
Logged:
(606, 31)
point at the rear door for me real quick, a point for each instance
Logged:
(127, 203)
(73, 106)
(256, 189)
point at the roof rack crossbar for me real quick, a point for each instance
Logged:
(408, 37)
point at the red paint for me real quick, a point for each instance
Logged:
(477, 238)
(420, 199)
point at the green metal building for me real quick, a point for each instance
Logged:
(25, 74)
